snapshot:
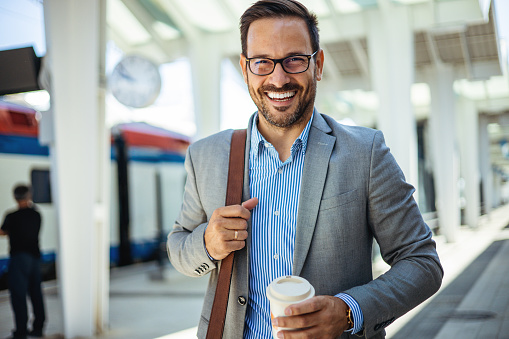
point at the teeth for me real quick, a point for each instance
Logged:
(278, 95)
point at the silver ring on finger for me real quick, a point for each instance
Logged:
(236, 235)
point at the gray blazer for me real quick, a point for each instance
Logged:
(352, 190)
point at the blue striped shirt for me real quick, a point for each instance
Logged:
(276, 184)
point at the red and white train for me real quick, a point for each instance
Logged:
(147, 182)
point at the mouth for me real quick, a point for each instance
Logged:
(281, 97)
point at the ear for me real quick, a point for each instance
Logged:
(243, 66)
(319, 64)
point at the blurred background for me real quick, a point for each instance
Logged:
(100, 99)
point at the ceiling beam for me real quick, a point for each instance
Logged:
(147, 21)
(466, 54)
(191, 33)
(361, 56)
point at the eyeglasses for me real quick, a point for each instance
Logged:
(293, 64)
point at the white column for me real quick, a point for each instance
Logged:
(445, 155)
(391, 59)
(102, 191)
(485, 164)
(497, 188)
(206, 57)
(469, 147)
(73, 29)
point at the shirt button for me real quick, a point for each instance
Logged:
(276, 213)
(280, 170)
(267, 144)
(276, 256)
(241, 300)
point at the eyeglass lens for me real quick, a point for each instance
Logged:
(292, 64)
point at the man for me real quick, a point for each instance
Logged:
(315, 194)
(24, 275)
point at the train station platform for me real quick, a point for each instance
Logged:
(473, 302)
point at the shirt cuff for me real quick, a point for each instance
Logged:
(358, 318)
(205, 247)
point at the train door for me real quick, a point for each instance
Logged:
(124, 244)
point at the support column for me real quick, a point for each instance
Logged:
(469, 146)
(485, 162)
(497, 188)
(206, 57)
(391, 48)
(81, 161)
(445, 155)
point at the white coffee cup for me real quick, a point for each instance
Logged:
(285, 291)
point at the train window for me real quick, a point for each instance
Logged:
(41, 188)
(20, 119)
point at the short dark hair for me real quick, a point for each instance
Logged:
(278, 9)
(21, 192)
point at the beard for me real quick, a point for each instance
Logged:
(284, 117)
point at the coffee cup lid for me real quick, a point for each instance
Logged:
(289, 288)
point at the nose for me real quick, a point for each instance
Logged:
(279, 77)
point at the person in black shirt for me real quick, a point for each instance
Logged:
(24, 276)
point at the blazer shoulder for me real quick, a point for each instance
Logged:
(212, 144)
(352, 135)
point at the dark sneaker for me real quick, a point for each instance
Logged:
(17, 335)
(35, 333)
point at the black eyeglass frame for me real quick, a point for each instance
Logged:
(280, 61)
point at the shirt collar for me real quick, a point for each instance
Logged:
(258, 141)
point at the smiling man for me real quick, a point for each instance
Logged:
(317, 194)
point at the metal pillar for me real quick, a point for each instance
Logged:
(74, 34)
(468, 132)
(445, 155)
(391, 59)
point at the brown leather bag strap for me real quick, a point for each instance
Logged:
(233, 197)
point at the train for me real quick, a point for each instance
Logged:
(147, 185)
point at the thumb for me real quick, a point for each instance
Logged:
(250, 204)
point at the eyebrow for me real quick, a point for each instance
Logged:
(266, 56)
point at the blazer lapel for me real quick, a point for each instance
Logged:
(318, 152)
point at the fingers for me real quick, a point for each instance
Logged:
(233, 211)
(318, 317)
(228, 216)
(250, 204)
(227, 229)
(307, 306)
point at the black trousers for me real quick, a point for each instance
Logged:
(24, 279)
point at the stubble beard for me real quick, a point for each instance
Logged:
(286, 118)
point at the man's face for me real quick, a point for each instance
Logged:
(283, 99)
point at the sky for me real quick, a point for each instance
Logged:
(22, 24)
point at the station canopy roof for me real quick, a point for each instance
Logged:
(457, 32)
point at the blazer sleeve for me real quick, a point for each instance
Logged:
(405, 243)
(185, 243)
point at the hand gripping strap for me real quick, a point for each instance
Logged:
(233, 197)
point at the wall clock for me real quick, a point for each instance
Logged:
(135, 81)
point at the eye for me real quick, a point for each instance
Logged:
(295, 60)
(261, 62)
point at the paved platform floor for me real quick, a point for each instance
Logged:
(472, 303)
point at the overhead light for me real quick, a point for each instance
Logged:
(420, 94)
